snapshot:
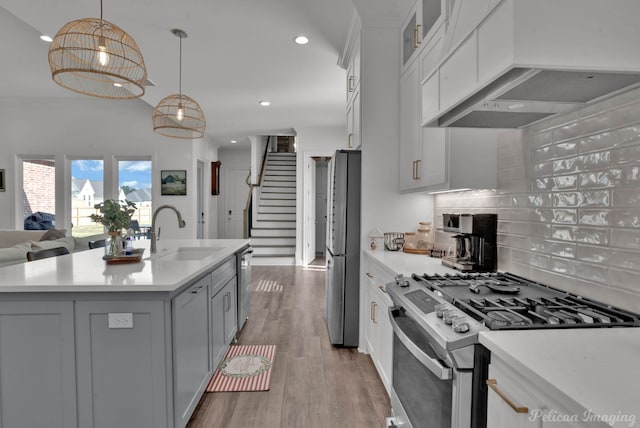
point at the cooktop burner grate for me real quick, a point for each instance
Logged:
(505, 301)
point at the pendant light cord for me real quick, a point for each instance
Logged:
(100, 11)
(180, 79)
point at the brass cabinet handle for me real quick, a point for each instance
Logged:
(417, 169)
(381, 287)
(349, 140)
(418, 39)
(415, 175)
(371, 311)
(370, 275)
(351, 86)
(493, 384)
(413, 171)
(373, 307)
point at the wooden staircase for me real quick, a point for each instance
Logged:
(273, 232)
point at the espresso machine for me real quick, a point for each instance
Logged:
(473, 246)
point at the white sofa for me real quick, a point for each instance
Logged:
(15, 244)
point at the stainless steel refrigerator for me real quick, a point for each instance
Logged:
(343, 248)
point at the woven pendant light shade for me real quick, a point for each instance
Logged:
(178, 115)
(95, 57)
(165, 115)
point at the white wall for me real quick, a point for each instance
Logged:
(311, 142)
(95, 128)
(383, 206)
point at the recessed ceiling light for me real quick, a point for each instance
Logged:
(117, 85)
(46, 38)
(233, 141)
(264, 103)
(301, 40)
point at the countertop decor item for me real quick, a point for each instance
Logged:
(178, 115)
(115, 216)
(423, 236)
(135, 257)
(95, 57)
(393, 241)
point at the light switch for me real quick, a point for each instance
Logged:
(120, 320)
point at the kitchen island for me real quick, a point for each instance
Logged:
(86, 344)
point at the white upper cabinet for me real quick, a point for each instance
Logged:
(353, 63)
(410, 141)
(424, 17)
(353, 71)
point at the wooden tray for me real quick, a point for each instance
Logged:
(135, 257)
(415, 251)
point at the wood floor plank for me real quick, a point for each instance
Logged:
(313, 383)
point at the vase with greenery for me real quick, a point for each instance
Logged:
(115, 216)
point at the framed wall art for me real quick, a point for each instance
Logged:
(173, 182)
(215, 177)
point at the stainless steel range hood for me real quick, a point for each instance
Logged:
(523, 96)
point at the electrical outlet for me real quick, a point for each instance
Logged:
(120, 320)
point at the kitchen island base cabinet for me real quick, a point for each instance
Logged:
(114, 359)
(121, 371)
(37, 365)
(192, 360)
(223, 320)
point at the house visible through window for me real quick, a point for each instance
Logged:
(134, 181)
(39, 190)
(87, 189)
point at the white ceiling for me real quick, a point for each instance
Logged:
(237, 53)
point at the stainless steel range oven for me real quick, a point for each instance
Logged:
(426, 382)
(439, 368)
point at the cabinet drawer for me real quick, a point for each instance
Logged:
(192, 292)
(223, 274)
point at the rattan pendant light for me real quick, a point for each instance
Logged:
(95, 57)
(178, 115)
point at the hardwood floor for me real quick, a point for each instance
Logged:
(313, 384)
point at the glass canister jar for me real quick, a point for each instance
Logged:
(423, 239)
(409, 241)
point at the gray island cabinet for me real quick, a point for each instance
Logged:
(133, 347)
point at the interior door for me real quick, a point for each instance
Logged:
(236, 197)
(310, 212)
(321, 207)
(199, 201)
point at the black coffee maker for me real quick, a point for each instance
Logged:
(474, 243)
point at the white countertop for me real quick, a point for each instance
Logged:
(596, 369)
(407, 264)
(85, 271)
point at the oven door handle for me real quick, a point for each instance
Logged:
(441, 371)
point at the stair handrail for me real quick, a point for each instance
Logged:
(247, 211)
(264, 160)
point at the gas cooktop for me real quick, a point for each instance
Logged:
(503, 301)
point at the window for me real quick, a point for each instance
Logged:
(87, 189)
(39, 189)
(135, 183)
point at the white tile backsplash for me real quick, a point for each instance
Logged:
(568, 202)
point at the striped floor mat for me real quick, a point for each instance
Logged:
(244, 368)
(269, 286)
